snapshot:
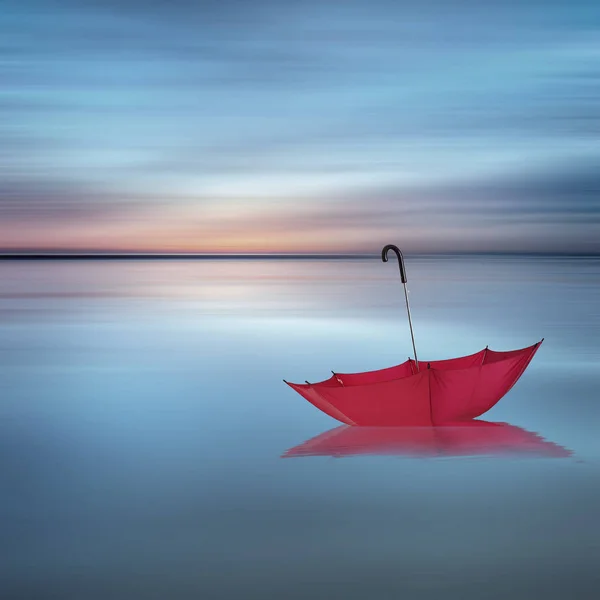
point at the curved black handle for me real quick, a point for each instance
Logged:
(384, 258)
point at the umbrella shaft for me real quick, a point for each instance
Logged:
(412, 335)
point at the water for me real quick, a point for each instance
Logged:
(143, 420)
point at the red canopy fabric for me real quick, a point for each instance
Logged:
(442, 391)
(472, 438)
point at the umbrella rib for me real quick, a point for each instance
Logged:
(338, 379)
(429, 390)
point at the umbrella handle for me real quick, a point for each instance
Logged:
(384, 258)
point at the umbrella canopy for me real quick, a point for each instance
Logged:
(474, 438)
(416, 393)
(445, 391)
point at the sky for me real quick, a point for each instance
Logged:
(300, 126)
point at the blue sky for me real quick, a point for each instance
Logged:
(300, 126)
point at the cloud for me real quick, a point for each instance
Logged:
(48, 201)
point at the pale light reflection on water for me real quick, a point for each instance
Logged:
(143, 418)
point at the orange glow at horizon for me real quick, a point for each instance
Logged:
(193, 231)
(264, 228)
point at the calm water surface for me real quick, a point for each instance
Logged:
(143, 420)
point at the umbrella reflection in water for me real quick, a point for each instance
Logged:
(474, 438)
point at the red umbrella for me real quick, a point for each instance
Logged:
(416, 393)
(473, 438)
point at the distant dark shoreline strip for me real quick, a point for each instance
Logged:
(183, 256)
(31, 256)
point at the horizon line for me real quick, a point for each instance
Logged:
(91, 255)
